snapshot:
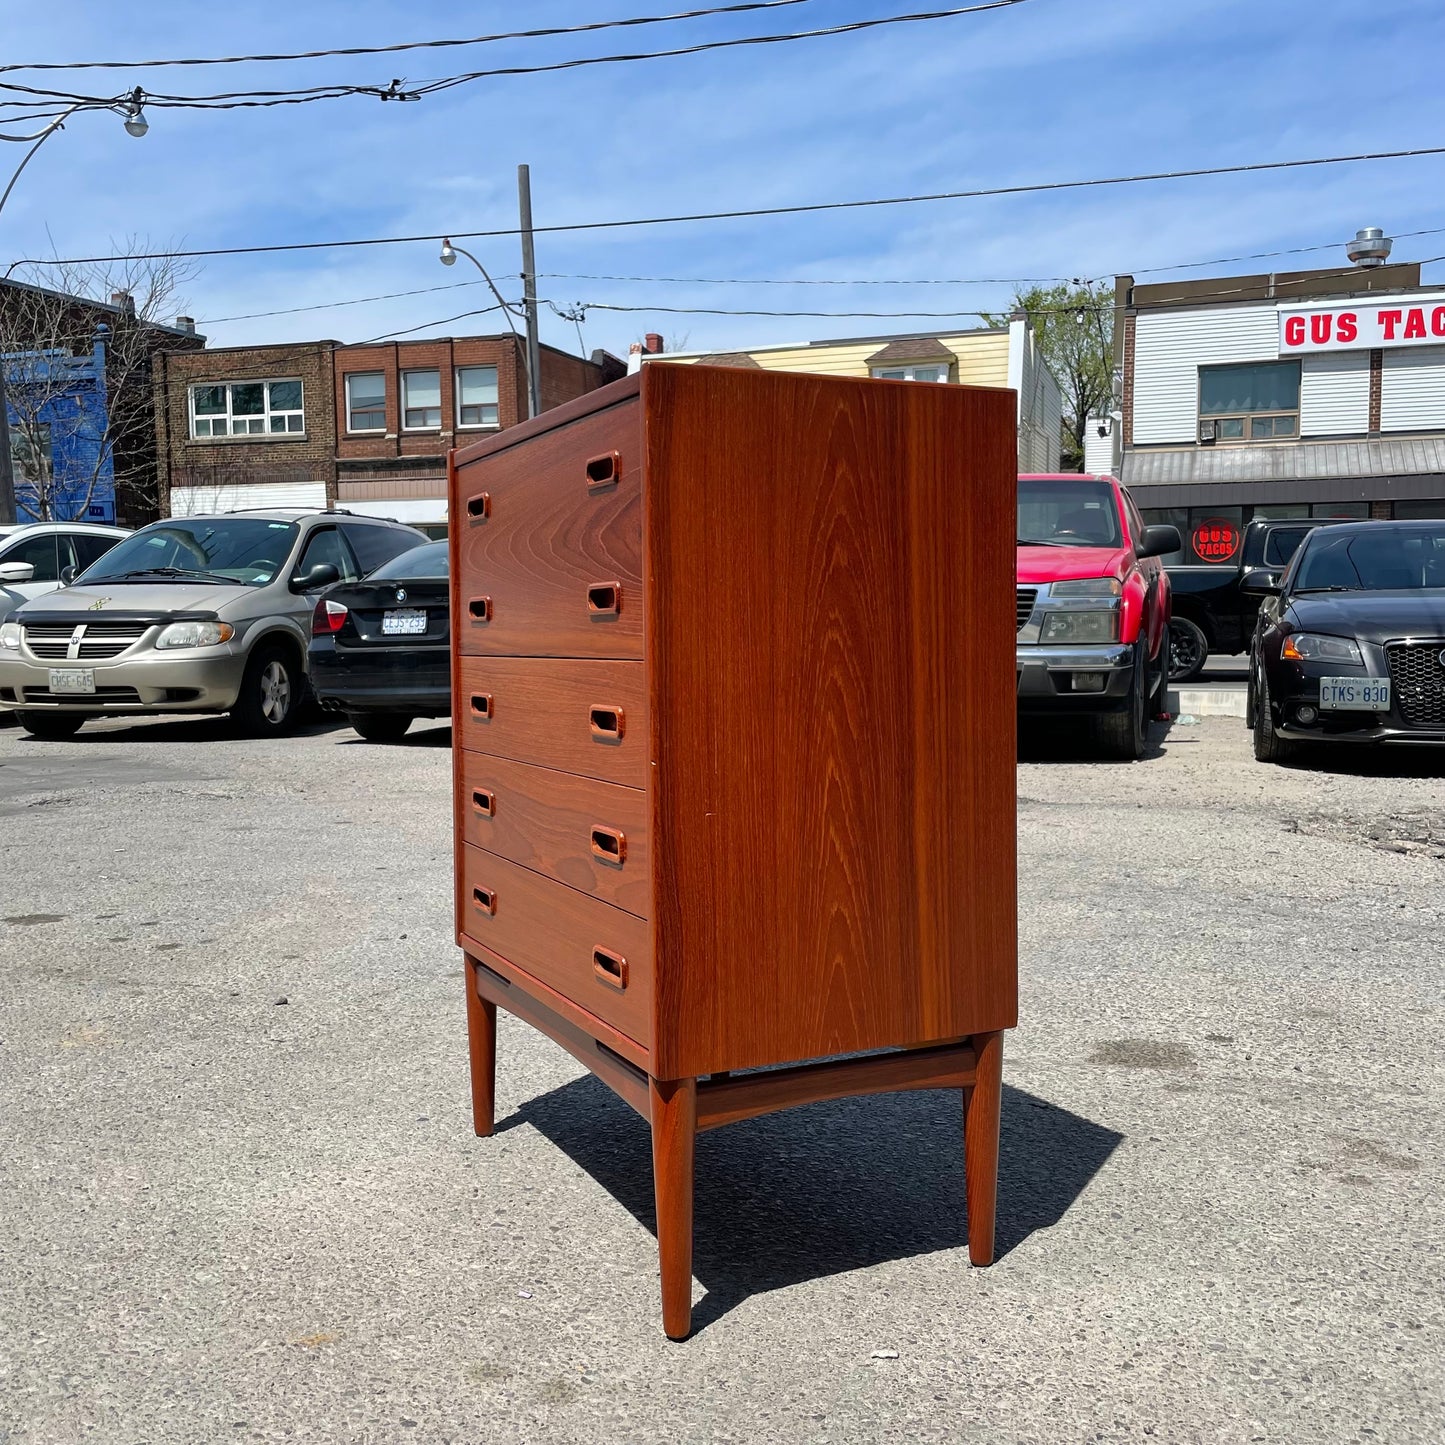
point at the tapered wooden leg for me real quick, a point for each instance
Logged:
(981, 1107)
(482, 1042)
(674, 1130)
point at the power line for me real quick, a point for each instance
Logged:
(398, 90)
(806, 281)
(548, 32)
(757, 212)
(329, 305)
(1269, 255)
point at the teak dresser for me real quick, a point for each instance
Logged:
(733, 704)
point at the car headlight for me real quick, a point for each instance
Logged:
(1091, 626)
(1317, 647)
(195, 634)
(9, 634)
(1088, 587)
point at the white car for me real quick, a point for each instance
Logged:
(39, 557)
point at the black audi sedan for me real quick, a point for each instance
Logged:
(1350, 642)
(379, 647)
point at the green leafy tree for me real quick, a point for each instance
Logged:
(1074, 325)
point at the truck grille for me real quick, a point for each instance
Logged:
(1418, 678)
(1024, 605)
(99, 640)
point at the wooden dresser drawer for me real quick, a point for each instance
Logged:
(551, 543)
(598, 956)
(578, 715)
(591, 836)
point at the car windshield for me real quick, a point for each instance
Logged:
(425, 561)
(1064, 514)
(244, 550)
(1382, 559)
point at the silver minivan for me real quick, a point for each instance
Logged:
(189, 615)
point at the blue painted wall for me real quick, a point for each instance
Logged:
(70, 394)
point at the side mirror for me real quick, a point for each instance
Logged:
(323, 574)
(1159, 540)
(1259, 582)
(16, 571)
(67, 576)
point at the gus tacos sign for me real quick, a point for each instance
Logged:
(1361, 328)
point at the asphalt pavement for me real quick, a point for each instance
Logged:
(240, 1199)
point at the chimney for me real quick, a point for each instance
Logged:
(634, 358)
(652, 343)
(123, 301)
(186, 323)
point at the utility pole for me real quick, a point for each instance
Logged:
(7, 460)
(529, 293)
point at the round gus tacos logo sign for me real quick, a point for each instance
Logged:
(1215, 540)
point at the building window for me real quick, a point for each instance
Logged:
(421, 400)
(365, 401)
(930, 371)
(31, 462)
(1255, 402)
(247, 408)
(477, 396)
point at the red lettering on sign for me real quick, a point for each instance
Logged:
(1347, 326)
(1415, 324)
(1294, 331)
(1320, 326)
(1437, 321)
(1215, 540)
(1389, 320)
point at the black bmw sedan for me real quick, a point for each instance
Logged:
(379, 647)
(1350, 643)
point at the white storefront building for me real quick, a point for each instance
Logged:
(1312, 394)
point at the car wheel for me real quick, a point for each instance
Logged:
(380, 727)
(1269, 747)
(271, 692)
(51, 724)
(1188, 650)
(1125, 734)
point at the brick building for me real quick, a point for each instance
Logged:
(364, 427)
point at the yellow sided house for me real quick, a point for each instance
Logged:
(1003, 356)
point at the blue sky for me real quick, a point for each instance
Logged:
(1049, 89)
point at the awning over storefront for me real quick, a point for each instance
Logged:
(1305, 472)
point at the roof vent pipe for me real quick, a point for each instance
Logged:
(1371, 247)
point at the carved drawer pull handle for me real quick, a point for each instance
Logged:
(480, 506)
(610, 968)
(604, 471)
(480, 609)
(604, 599)
(482, 705)
(485, 802)
(484, 900)
(609, 845)
(607, 723)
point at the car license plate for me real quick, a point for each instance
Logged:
(1355, 694)
(404, 622)
(72, 679)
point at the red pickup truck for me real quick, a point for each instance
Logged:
(1093, 607)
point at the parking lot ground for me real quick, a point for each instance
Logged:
(240, 1199)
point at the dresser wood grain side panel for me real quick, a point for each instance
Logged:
(551, 543)
(557, 934)
(589, 835)
(557, 713)
(834, 792)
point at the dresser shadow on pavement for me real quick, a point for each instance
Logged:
(831, 1187)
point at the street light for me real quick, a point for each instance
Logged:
(449, 256)
(132, 109)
